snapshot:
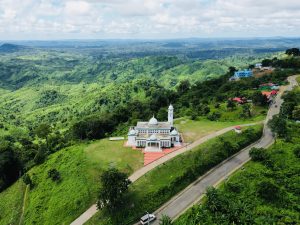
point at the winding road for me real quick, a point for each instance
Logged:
(194, 192)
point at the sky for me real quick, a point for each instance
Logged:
(147, 19)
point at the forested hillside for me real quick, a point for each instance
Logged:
(54, 99)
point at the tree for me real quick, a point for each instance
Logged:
(297, 151)
(251, 67)
(293, 51)
(165, 220)
(259, 99)
(296, 113)
(183, 86)
(215, 202)
(27, 180)
(268, 190)
(278, 126)
(231, 70)
(231, 104)
(246, 110)
(54, 175)
(258, 154)
(43, 130)
(114, 187)
(9, 166)
(266, 62)
(40, 156)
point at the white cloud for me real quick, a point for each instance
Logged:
(147, 18)
(77, 8)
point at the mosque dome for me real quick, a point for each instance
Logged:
(132, 132)
(174, 132)
(153, 137)
(153, 121)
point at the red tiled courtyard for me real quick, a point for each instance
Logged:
(150, 157)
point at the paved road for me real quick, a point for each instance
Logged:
(194, 192)
(139, 173)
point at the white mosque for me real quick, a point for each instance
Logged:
(154, 135)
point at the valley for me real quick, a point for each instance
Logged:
(59, 106)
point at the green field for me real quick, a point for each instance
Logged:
(80, 168)
(195, 129)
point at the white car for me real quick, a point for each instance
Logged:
(147, 218)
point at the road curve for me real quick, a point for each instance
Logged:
(194, 192)
(142, 171)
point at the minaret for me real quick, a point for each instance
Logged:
(170, 115)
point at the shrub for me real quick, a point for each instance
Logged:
(297, 151)
(54, 175)
(258, 154)
(27, 180)
(268, 190)
(165, 220)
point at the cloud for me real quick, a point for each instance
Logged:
(77, 8)
(147, 18)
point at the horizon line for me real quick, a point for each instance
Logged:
(153, 39)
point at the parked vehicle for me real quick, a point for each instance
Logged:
(147, 218)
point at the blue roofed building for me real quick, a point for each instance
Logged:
(242, 74)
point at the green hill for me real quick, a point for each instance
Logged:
(79, 166)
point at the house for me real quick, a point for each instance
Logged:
(269, 94)
(258, 66)
(239, 100)
(268, 86)
(153, 135)
(238, 129)
(241, 74)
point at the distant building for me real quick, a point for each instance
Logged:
(154, 135)
(239, 100)
(258, 66)
(241, 74)
(268, 86)
(238, 129)
(269, 94)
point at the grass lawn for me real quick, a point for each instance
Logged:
(298, 79)
(80, 167)
(195, 129)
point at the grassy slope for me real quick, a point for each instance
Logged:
(11, 203)
(80, 167)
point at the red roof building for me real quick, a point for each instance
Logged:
(239, 100)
